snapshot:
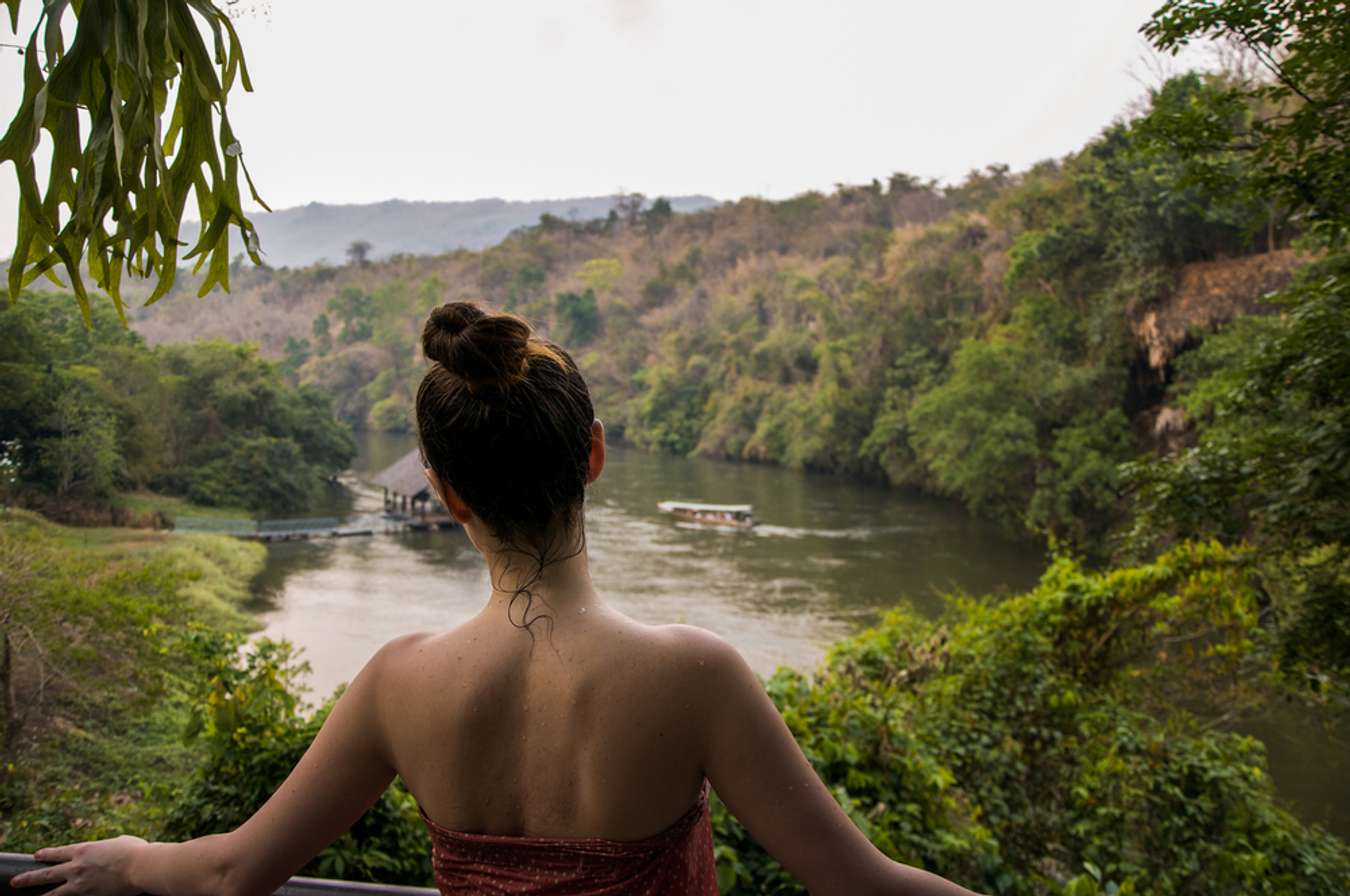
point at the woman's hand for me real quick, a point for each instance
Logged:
(98, 868)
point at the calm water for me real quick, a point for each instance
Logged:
(830, 554)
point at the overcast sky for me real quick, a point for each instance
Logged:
(526, 99)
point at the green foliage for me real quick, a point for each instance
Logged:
(120, 70)
(167, 727)
(578, 317)
(600, 275)
(354, 309)
(1077, 484)
(668, 415)
(1297, 136)
(1035, 747)
(392, 413)
(1271, 463)
(659, 290)
(527, 282)
(323, 337)
(978, 431)
(248, 726)
(81, 451)
(986, 355)
(92, 410)
(1023, 430)
(889, 442)
(297, 353)
(99, 620)
(232, 476)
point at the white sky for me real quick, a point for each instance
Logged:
(524, 99)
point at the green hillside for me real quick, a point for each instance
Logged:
(1007, 341)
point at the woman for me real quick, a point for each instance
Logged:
(565, 734)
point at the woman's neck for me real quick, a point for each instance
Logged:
(561, 584)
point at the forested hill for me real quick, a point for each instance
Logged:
(1008, 341)
(317, 232)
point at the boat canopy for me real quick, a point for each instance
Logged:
(669, 506)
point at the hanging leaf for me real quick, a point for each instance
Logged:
(114, 201)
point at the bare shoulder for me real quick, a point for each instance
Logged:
(689, 642)
(701, 659)
(396, 663)
(402, 650)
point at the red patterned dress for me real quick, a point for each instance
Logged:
(677, 860)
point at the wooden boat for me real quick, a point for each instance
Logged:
(718, 516)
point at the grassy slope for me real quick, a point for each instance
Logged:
(173, 507)
(99, 622)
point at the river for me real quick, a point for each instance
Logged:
(829, 556)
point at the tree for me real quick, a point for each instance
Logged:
(628, 206)
(578, 317)
(323, 337)
(658, 216)
(600, 275)
(1298, 135)
(359, 253)
(355, 309)
(297, 353)
(133, 168)
(82, 452)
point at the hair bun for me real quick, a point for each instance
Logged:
(480, 348)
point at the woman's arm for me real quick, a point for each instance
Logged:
(758, 770)
(341, 775)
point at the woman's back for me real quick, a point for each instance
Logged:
(592, 728)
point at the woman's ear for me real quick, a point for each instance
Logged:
(458, 509)
(597, 458)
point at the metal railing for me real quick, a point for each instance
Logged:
(215, 525)
(12, 863)
(310, 524)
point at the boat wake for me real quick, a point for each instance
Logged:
(856, 533)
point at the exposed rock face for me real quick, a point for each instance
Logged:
(1169, 420)
(1168, 429)
(1208, 295)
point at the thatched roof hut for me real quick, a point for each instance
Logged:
(405, 484)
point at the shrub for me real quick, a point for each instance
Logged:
(1037, 747)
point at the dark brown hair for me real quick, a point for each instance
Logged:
(504, 418)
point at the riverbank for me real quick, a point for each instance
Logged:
(111, 632)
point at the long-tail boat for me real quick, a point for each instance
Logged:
(719, 516)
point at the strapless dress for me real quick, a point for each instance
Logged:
(677, 860)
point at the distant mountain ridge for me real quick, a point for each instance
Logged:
(295, 237)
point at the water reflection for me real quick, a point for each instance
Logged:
(1308, 753)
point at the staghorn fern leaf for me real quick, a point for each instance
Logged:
(114, 200)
